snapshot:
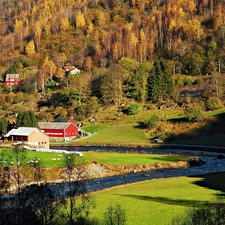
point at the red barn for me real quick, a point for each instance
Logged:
(56, 130)
(12, 80)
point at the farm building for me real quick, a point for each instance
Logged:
(66, 120)
(12, 80)
(29, 135)
(71, 70)
(59, 130)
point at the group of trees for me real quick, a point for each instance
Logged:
(126, 50)
(90, 35)
(26, 119)
(23, 119)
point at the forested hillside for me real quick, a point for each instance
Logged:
(137, 50)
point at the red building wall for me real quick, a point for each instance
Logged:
(54, 133)
(70, 131)
(19, 138)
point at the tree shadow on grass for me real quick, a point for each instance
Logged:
(168, 201)
(210, 126)
(213, 181)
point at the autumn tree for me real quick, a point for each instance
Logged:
(112, 85)
(30, 49)
(49, 69)
(80, 20)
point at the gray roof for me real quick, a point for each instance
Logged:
(53, 125)
(12, 76)
(62, 119)
(21, 131)
(9, 133)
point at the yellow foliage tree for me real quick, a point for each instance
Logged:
(30, 48)
(80, 20)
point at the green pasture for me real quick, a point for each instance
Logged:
(120, 133)
(50, 160)
(128, 129)
(159, 201)
(216, 112)
(130, 159)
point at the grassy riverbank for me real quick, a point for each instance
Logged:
(172, 127)
(159, 201)
(51, 160)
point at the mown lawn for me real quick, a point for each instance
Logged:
(50, 160)
(127, 129)
(129, 159)
(157, 202)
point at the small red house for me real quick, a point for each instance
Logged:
(12, 80)
(57, 130)
(70, 69)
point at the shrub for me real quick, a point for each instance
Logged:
(152, 122)
(133, 109)
(115, 214)
(194, 113)
(166, 135)
(179, 80)
(198, 81)
(188, 80)
(214, 103)
(208, 214)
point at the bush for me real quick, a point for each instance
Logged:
(214, 103)
(152, 122)
(208, 214)
(188, 80)
(179, 80)
(194, 113)
(166, 135)
(198, 81)
(133, 109)
(115, 215)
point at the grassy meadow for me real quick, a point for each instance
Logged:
(125, 129)
(159, 201)
(129, 129)
(50, 160)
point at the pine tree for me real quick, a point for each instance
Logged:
(160, 84)
(19, 119)
(33, 120)
(26, 119)
(3, 126)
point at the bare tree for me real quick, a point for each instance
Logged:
(77, 210)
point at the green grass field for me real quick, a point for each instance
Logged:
(128, 129)
(50, 160)
(157, 202)
(129, 159)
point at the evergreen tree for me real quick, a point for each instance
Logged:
(3, 126)
(26, 119)
(160, 83)
(19, 119)
(33, 119)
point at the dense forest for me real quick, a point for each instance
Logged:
(138, 50)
